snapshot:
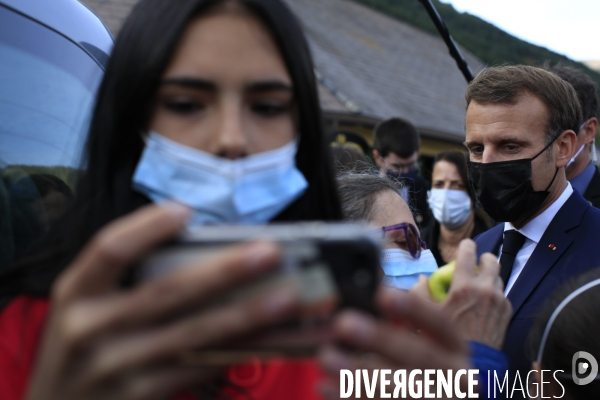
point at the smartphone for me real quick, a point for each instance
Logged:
(332, 266)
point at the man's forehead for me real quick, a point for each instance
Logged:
(493, 120)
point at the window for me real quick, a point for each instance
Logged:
(47, 90)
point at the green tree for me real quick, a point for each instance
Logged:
(487, 42)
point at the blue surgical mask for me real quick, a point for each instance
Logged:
(450, 208)
(402, 270)
(248, 190)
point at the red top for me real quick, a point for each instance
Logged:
(22, 323)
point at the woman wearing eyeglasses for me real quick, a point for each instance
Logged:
(476, 309)
(375, 199)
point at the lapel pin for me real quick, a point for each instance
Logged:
(551, 246)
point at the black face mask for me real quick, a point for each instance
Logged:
(504, 188)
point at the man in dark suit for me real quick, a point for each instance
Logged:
(521, 126)
(582, 172)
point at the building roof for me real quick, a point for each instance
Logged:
(385, 68)
(368, 64)
(112, 12)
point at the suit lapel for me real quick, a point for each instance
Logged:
(541, 261)
(544, 257)
(492, 244)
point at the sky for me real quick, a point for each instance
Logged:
(569, 27)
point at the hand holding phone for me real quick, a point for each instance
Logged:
(330, 266)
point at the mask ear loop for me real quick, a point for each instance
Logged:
(543, 150)
(554, 315)
(576, 154)
(592, 145)
(554, 177)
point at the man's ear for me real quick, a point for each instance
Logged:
(378, 159)
(590, 130)
(566, 148)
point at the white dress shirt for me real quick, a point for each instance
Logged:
(533, 232)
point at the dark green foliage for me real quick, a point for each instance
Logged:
(489, 43)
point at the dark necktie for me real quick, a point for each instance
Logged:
(513, 241)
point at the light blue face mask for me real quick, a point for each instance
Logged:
(450, 208)
(248, 190)
(402, 270)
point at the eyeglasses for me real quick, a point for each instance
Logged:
(404, 233)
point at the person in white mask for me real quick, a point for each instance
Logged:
(376, 200)
(453, 207)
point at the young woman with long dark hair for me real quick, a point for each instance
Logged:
(194, 89)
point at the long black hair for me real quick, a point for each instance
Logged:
(123, 111)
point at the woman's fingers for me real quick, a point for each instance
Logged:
(478, 307)
(179, 312)
(333, 360)
(421, 288)
(115, 247)
(424, 314)
(195, 332)
(400, 346)
(489, 268)
(183, 289)
(466, 260)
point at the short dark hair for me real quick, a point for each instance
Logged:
(583, 85)
(506, 84)
(396, 136)
(358, 191)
